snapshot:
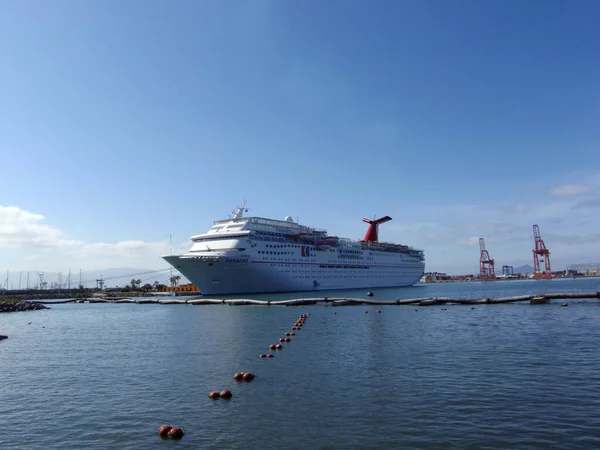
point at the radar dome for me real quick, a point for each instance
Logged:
(289, 219)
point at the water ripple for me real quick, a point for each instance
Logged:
(496, 377)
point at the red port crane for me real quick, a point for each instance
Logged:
(540, 255)
(486, 264)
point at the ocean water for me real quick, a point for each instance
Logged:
(102, 376)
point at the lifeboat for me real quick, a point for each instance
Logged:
(306, 237)
(331, 240)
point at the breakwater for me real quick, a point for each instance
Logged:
(338, 301)
(17, 305)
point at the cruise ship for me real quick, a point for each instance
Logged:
(251, 255)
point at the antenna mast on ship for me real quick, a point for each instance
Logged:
(238, 213)
(170, 252)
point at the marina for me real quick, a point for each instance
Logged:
(417, 263)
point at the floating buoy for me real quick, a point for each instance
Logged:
(564, 304)
(378, 311)
(415, 310)
(239, 376)
(366, 312)
(214, 395)
(278, 347)
(163, 430)
(287, 339)
(288, 333)
(272, 347)
(334, 312)
(281, 340)
(226, 394)
(262, 355)
(248, 376)
(175, 433)
(472, 307)
(370, 294)
(270, 355)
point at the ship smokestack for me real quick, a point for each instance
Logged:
(372, 233)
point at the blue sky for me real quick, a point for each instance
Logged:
(124, 122)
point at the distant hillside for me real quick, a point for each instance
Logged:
(523, 269)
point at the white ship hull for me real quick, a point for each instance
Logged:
(256, 255)
(221, 277)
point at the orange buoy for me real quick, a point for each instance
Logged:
(270, 355)
(214, 395)
(272, 347)
(164, 430)
(278, 346)
(248, 376)
(262, 355)
(239, 376)
(226, 394)
(175, 433)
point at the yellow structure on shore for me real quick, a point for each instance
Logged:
(183, 288)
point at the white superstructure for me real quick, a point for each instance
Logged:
(243, 255)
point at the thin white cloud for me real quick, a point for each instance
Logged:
(123, 247)
(24, 236)
(24, 229)
(585, 204)
(570, 190)
(572, 238)
(518, 209)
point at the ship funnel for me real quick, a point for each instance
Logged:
(372, 233)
